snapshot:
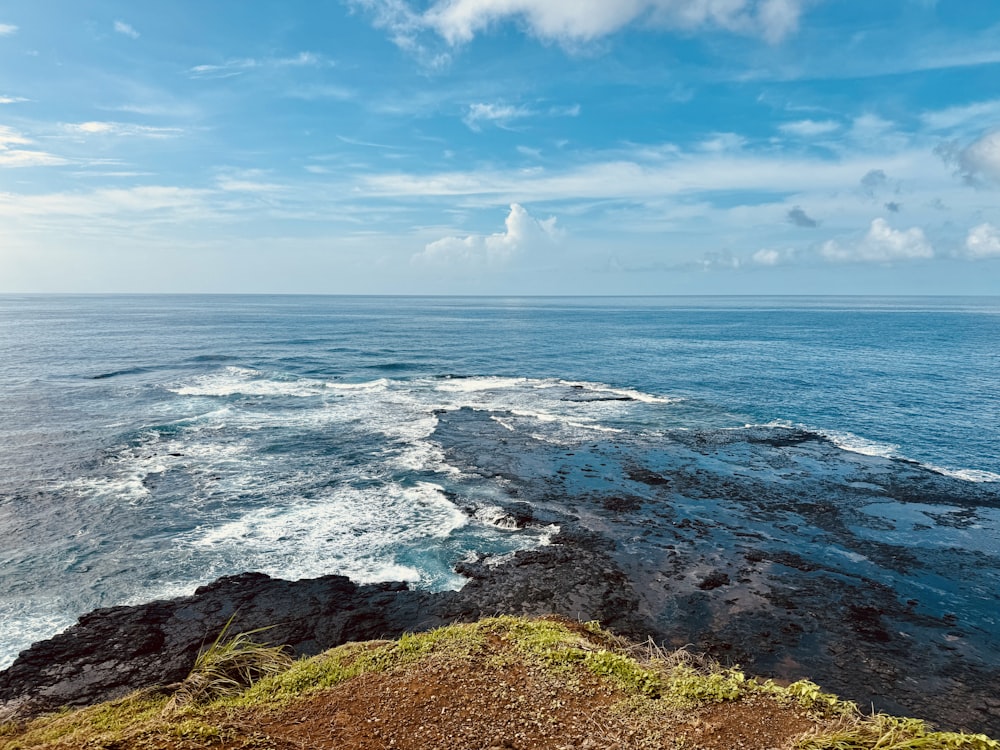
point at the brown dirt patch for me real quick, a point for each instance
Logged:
(448, 705)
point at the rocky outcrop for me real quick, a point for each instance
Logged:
(111, 652)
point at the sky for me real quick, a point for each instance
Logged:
(500, 146)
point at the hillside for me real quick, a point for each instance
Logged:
(502, 683)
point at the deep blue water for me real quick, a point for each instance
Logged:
(150, 444)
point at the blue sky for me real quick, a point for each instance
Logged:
(500, 146)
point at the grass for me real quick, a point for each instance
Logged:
(228, 667)
(881, 732)
(238, 677)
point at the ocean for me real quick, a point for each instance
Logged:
(150, 444)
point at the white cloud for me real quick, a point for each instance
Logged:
(809, 128)
(502, 115)
(983, 242)
(722, 142)
(21, 157)
(714, 260)
(585, 20)
(882, 244)
(572, 110)
(648, 175)
(979, 162)
(7, 29)
(105, 202)
(953, 117)
(120, 129)
(767, 257)
(227, 69)
(523, 232)
(240, 66)
(12, 99)
(576, 21)
(123, 28)
(870, 126)
(499, 114)
(774, 257)
(10, 136)
(234, 185)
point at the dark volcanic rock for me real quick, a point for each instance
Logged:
(714, 580)
(111, 652)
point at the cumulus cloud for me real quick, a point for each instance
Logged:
(882, 244)
(522, 233)
(765, 257)
(979, 162)
(575, 21)
(769, 256)
(12, 99)
(800, 218)
(809, 128)
(983, 242)
(7, 29)
(126, 29)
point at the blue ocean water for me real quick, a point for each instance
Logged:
(149, 444)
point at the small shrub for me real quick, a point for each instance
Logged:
(810, 696)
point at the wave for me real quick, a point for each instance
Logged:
(979, 476)
(625, 393)
(354, 531)
(853, 443)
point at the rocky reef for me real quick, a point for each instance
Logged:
(768, 548)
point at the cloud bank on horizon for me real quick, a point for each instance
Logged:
(501, 146)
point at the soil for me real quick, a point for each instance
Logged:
(463, 706)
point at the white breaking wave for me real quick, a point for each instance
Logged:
(355, 532)
(856, 444)
(477, 384)
(646, 398)
(969, 475)
(246, 382)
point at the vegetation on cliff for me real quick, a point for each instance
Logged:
(502, 683)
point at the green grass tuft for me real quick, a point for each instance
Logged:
(228, 667)
(881, 732)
